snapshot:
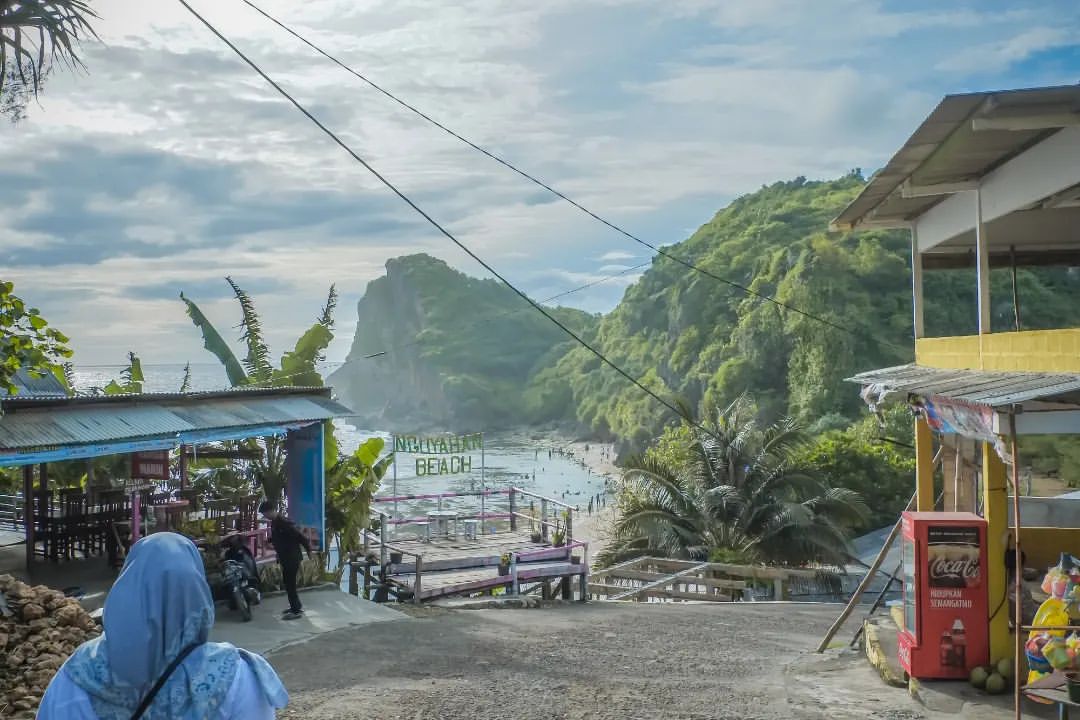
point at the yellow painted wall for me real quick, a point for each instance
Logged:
(1043, 545)
(1032, 351)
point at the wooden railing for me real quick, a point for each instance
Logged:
(11, 512)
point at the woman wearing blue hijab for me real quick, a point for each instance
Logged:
(158, 617)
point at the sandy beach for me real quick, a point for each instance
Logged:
(595, 528)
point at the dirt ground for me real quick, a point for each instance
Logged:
(595, 660)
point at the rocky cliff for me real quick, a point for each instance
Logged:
(437, 348)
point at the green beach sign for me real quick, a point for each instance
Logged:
(440, 454)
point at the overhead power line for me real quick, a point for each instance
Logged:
(432, 221)
(533, 179)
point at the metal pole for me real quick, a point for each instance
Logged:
(483, 484)
(1018, 569)
(393, 438)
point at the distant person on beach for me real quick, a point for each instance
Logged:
(590, 505)
(288, 541)
(154, 660)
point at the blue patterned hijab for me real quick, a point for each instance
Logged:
(158, 606)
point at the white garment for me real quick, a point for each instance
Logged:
(64, 700)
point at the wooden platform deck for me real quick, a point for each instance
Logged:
(461, 566)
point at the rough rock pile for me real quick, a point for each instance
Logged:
(39, 628)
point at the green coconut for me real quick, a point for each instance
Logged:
(978, 677)
(995, 684)
(1005, 668)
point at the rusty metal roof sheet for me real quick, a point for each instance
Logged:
(994, 389)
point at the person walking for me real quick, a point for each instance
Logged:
(154, 660)
(288, 541)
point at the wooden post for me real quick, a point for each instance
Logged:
(43, 470)
(367, 580)
(778, 588)
(515, 586)
(569, 526)
(513, 511)
(543, 519)
(924, 466)
(583, 585)
(864, 584)
(382, 539)
(996, 513)
(28, 514)
(354, 585)
(1018, 572)
(183, 467)
(567, 591)
(545, 590)
(417, 586)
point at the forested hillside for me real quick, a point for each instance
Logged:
(684, 334)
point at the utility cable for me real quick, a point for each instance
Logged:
(432, 221)
(533, 179)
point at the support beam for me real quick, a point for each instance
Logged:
(28, 514)
(1020, 118)
(910, 190)
(995, 510)
(982, 268)
(916, 284)
(1043, 170)
(1062, 257)
(924, 466)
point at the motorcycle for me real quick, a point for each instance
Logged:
(240, 576)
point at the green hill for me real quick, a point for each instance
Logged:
(683, 334)
(448, 349)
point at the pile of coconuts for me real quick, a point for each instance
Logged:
(39, 629)
(994, 679)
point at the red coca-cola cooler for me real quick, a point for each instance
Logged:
(945, 633)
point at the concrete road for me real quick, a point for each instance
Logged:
(600, 660)
(325, 610)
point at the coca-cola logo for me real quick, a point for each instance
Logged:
(964, 568)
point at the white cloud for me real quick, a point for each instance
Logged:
(171, 164)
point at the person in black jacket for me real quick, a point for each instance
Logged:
(287, 540)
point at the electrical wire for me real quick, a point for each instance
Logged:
(432, 221)
(533, 179)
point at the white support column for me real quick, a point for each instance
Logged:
(982, 258)
(916, 283)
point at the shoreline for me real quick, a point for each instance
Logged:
(595, 528)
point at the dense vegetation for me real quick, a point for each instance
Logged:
(727, 489)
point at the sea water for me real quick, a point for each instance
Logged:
(508, 459)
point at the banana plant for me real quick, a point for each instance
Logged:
(351, 483)
(298, 368)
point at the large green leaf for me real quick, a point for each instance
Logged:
(298, 366)
(216, 344)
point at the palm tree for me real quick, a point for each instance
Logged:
(298, 367)
(733, 491)
(35, 34)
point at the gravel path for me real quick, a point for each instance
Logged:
(598, 660)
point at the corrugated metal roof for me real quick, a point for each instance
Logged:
(108, 421)
(28, 386)
(995, 389)
(946, 149)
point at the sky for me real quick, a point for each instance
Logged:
(169, 164)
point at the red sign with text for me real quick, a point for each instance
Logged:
(151, 465)
(946, 623)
